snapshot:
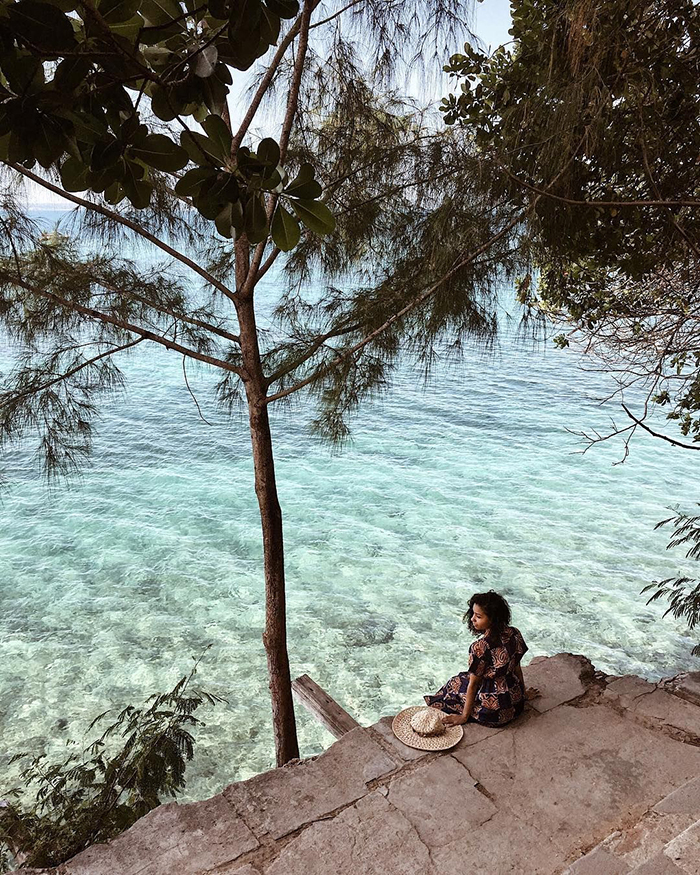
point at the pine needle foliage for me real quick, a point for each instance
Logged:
(138, 759)
(682, 593)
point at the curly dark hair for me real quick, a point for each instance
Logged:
(496, 609)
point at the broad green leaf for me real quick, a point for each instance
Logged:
(269, 26)
(201, 149)
(283, 8)
(74, 175)
(70, 73)
(48, 142)
(255, 219)
(315, 215)
(206, 62)
(304, 185)
(115, 193)
(24, 73)
(268, 152)
(129, 29)
(42, 25)
(158, 12)
(116, 11)
(223, 222)
(218, 132)
(105, 154)
(285, 229)
(159, 151)
(191, 182)
(164, 105)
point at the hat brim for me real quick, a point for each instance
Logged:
(405, 733)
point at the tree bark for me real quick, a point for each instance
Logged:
(275, 634)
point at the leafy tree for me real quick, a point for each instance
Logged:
(108, 98)
(592, 119)
(94, 795)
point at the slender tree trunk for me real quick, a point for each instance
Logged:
(275, 634)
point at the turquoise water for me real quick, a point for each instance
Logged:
(110, 584)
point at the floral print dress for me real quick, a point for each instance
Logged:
(500, 697)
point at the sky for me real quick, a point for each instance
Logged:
(491, 23)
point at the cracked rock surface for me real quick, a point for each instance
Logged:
(600, 775)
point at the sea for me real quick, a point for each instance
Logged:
(112, 582)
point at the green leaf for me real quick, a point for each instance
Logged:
(164, 105)
(285, 229)
(71, 73)
(190, 183)
(116, 11)
(268, 152)
(218, 132)
(201, 149)
(315, 215)
(304, 185)
(42, 25)
(159, 151)
(160, 11)
(129, 29)
(74, 175)
(223, 222)
(283, 8)
(255, 218)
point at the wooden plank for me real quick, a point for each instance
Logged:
(326, 710)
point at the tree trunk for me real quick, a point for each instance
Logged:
(275, 634)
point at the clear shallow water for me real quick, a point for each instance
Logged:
(109, 586)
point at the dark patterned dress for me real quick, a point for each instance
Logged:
(500, 696)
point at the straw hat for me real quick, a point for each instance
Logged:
(405, 732)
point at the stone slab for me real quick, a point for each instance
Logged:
(558, 678)
(278, 802)
(598, 862)
(440, 800)
(369, 838)
(658, 865)
(684, 800)
(629, 687)
(577, 773)
(671, 710)
(190, 839)
(684, 850)
(647, 838)
(408, 754)
(503, 844)
(687, 686)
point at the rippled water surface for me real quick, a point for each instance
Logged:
(111, 584)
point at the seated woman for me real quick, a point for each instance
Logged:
(492, 690)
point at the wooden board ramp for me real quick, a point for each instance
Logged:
(325, 709)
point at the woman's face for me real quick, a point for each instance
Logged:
(480, 620)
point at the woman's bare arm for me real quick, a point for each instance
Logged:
(472, 689)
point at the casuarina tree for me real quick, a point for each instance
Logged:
(123, 108)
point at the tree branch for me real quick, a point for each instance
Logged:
(590, 203)
(129, 326)
(74, 370)
(657, 434)
(415, 302)
(137, 229)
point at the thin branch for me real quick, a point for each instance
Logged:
(316, 344)
(129, 326)
(269, 261)
(295, 85)
(657, 434)
(335, 14)
(415, 302)
(74, 370)
(264, 85)
(115, 217)
(591, 203)
(187, 383)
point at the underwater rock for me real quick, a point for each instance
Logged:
(370, 631)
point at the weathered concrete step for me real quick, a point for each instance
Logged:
(665, 841)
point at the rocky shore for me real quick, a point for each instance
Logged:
(600, 776)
